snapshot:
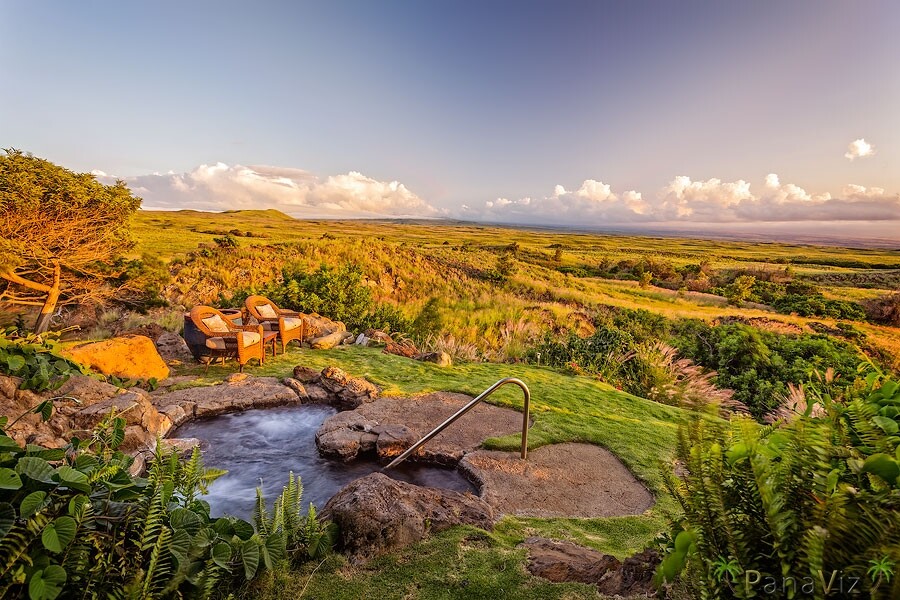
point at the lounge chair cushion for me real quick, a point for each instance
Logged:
(292, 323)
(216, 324)
(217, 343)
(266, 311)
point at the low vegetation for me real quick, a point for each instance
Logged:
(805, 508)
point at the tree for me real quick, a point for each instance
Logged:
(60, 234)
(740, 289)
(646, 278)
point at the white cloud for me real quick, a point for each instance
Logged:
(859, 149)
(593, 203)
(294, 191)
(685, 200)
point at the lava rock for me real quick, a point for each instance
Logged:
(377, 514)
(441, 359)
(564, 561)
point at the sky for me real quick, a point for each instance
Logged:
(681, 114)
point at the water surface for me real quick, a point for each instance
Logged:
(260, 447)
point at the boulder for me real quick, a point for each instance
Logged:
(361, 340)
(564, 561)
(181, 446)
(206, 401)
(328, 341)
(341, 436)
(393, 440)
(317, 326)
(79, 405)
(173, 349)
(348, 392)
(298, 387)
(306, 374)
(144, 423)
(377, 514)
(441, 359)
(403, 348)
(128, 357)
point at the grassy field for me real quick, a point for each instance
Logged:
(565, 409)
(407, 263)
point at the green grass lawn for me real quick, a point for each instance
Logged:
(565, 409)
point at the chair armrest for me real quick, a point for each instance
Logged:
(283, 312)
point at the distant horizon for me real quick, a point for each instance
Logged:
(800, 238)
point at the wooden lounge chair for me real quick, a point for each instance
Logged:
(224, 339)
(288, 323)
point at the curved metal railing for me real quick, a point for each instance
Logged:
(466, 409)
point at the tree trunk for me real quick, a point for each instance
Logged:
(43, 320)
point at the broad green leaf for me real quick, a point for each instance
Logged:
(242, 529)
(73, 479)
(250, 557)
(883, 466)
(9, 479)
(182, 518)
(887, 425)
(35, 468)
(45, 409)
(221, 554)
(77, 506)
(32, 503)
(7, 518)
(180, 545)
(7, 444)
(47, 583)
(15, 363)
(832, 480)
(684, 540)
(58, 534)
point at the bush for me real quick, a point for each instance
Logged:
(335, 292)
(759, 364)
(788, 506)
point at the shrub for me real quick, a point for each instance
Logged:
(790, 505)
(759, 364)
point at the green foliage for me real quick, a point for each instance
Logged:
(429, 320)
(740, 289)
(34, 360)
(336, 292)
(816, 495)
(759, 364)
(74, 523)
(226, 241)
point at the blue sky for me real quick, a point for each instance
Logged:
(511, 111)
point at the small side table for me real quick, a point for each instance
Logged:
(271, 337)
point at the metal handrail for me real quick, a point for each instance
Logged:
(409, 451)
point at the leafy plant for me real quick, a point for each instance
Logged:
(800, 500)
(74, 522)
(34, 360)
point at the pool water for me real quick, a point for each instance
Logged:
(260, 447)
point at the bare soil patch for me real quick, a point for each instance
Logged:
(560, 480)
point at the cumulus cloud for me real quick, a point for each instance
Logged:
(294, 191)
(593, 201)
(685, 200)
(859, 149)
